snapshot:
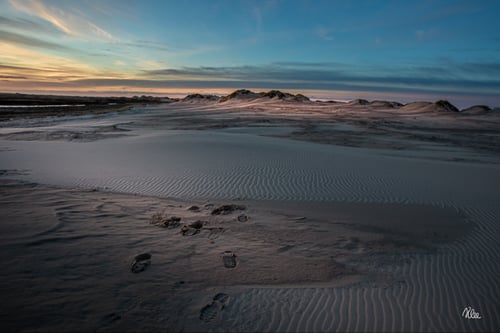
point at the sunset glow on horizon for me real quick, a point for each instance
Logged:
(397, 50)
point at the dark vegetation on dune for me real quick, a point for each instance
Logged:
(274, 94)
(198, 97)
(359, 102)
(386, 104)
(244, 94)
(477, 109)
(446, 106)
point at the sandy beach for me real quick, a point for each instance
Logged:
(252, 213)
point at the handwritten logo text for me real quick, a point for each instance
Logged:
(470, 313)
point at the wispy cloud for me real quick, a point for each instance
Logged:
(271, 72)
(19, 39)
(304, 64)
(147, 44)
(69, 23)
(25, 24)
(17, 60)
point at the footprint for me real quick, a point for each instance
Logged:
(140, 263)
(210, 311)
(193, 229)
(198, 224)
(229, 259)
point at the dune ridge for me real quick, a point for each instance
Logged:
(112, 103)
(245, 95)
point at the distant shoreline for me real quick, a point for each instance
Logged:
(14, 106)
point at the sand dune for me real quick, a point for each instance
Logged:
(276, 96)
(331, 237)
(439, 106)
(477, 109)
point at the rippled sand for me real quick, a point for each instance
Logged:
(334, 238)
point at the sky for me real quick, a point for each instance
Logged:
(399, 50)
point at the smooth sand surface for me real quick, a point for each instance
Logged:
(332, 238)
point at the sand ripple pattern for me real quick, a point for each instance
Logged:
(435, 290)
(249, 167)
(208, 165)
(192, 165)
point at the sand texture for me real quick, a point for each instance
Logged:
(253, 213)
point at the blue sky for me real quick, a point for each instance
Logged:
(402, 50)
